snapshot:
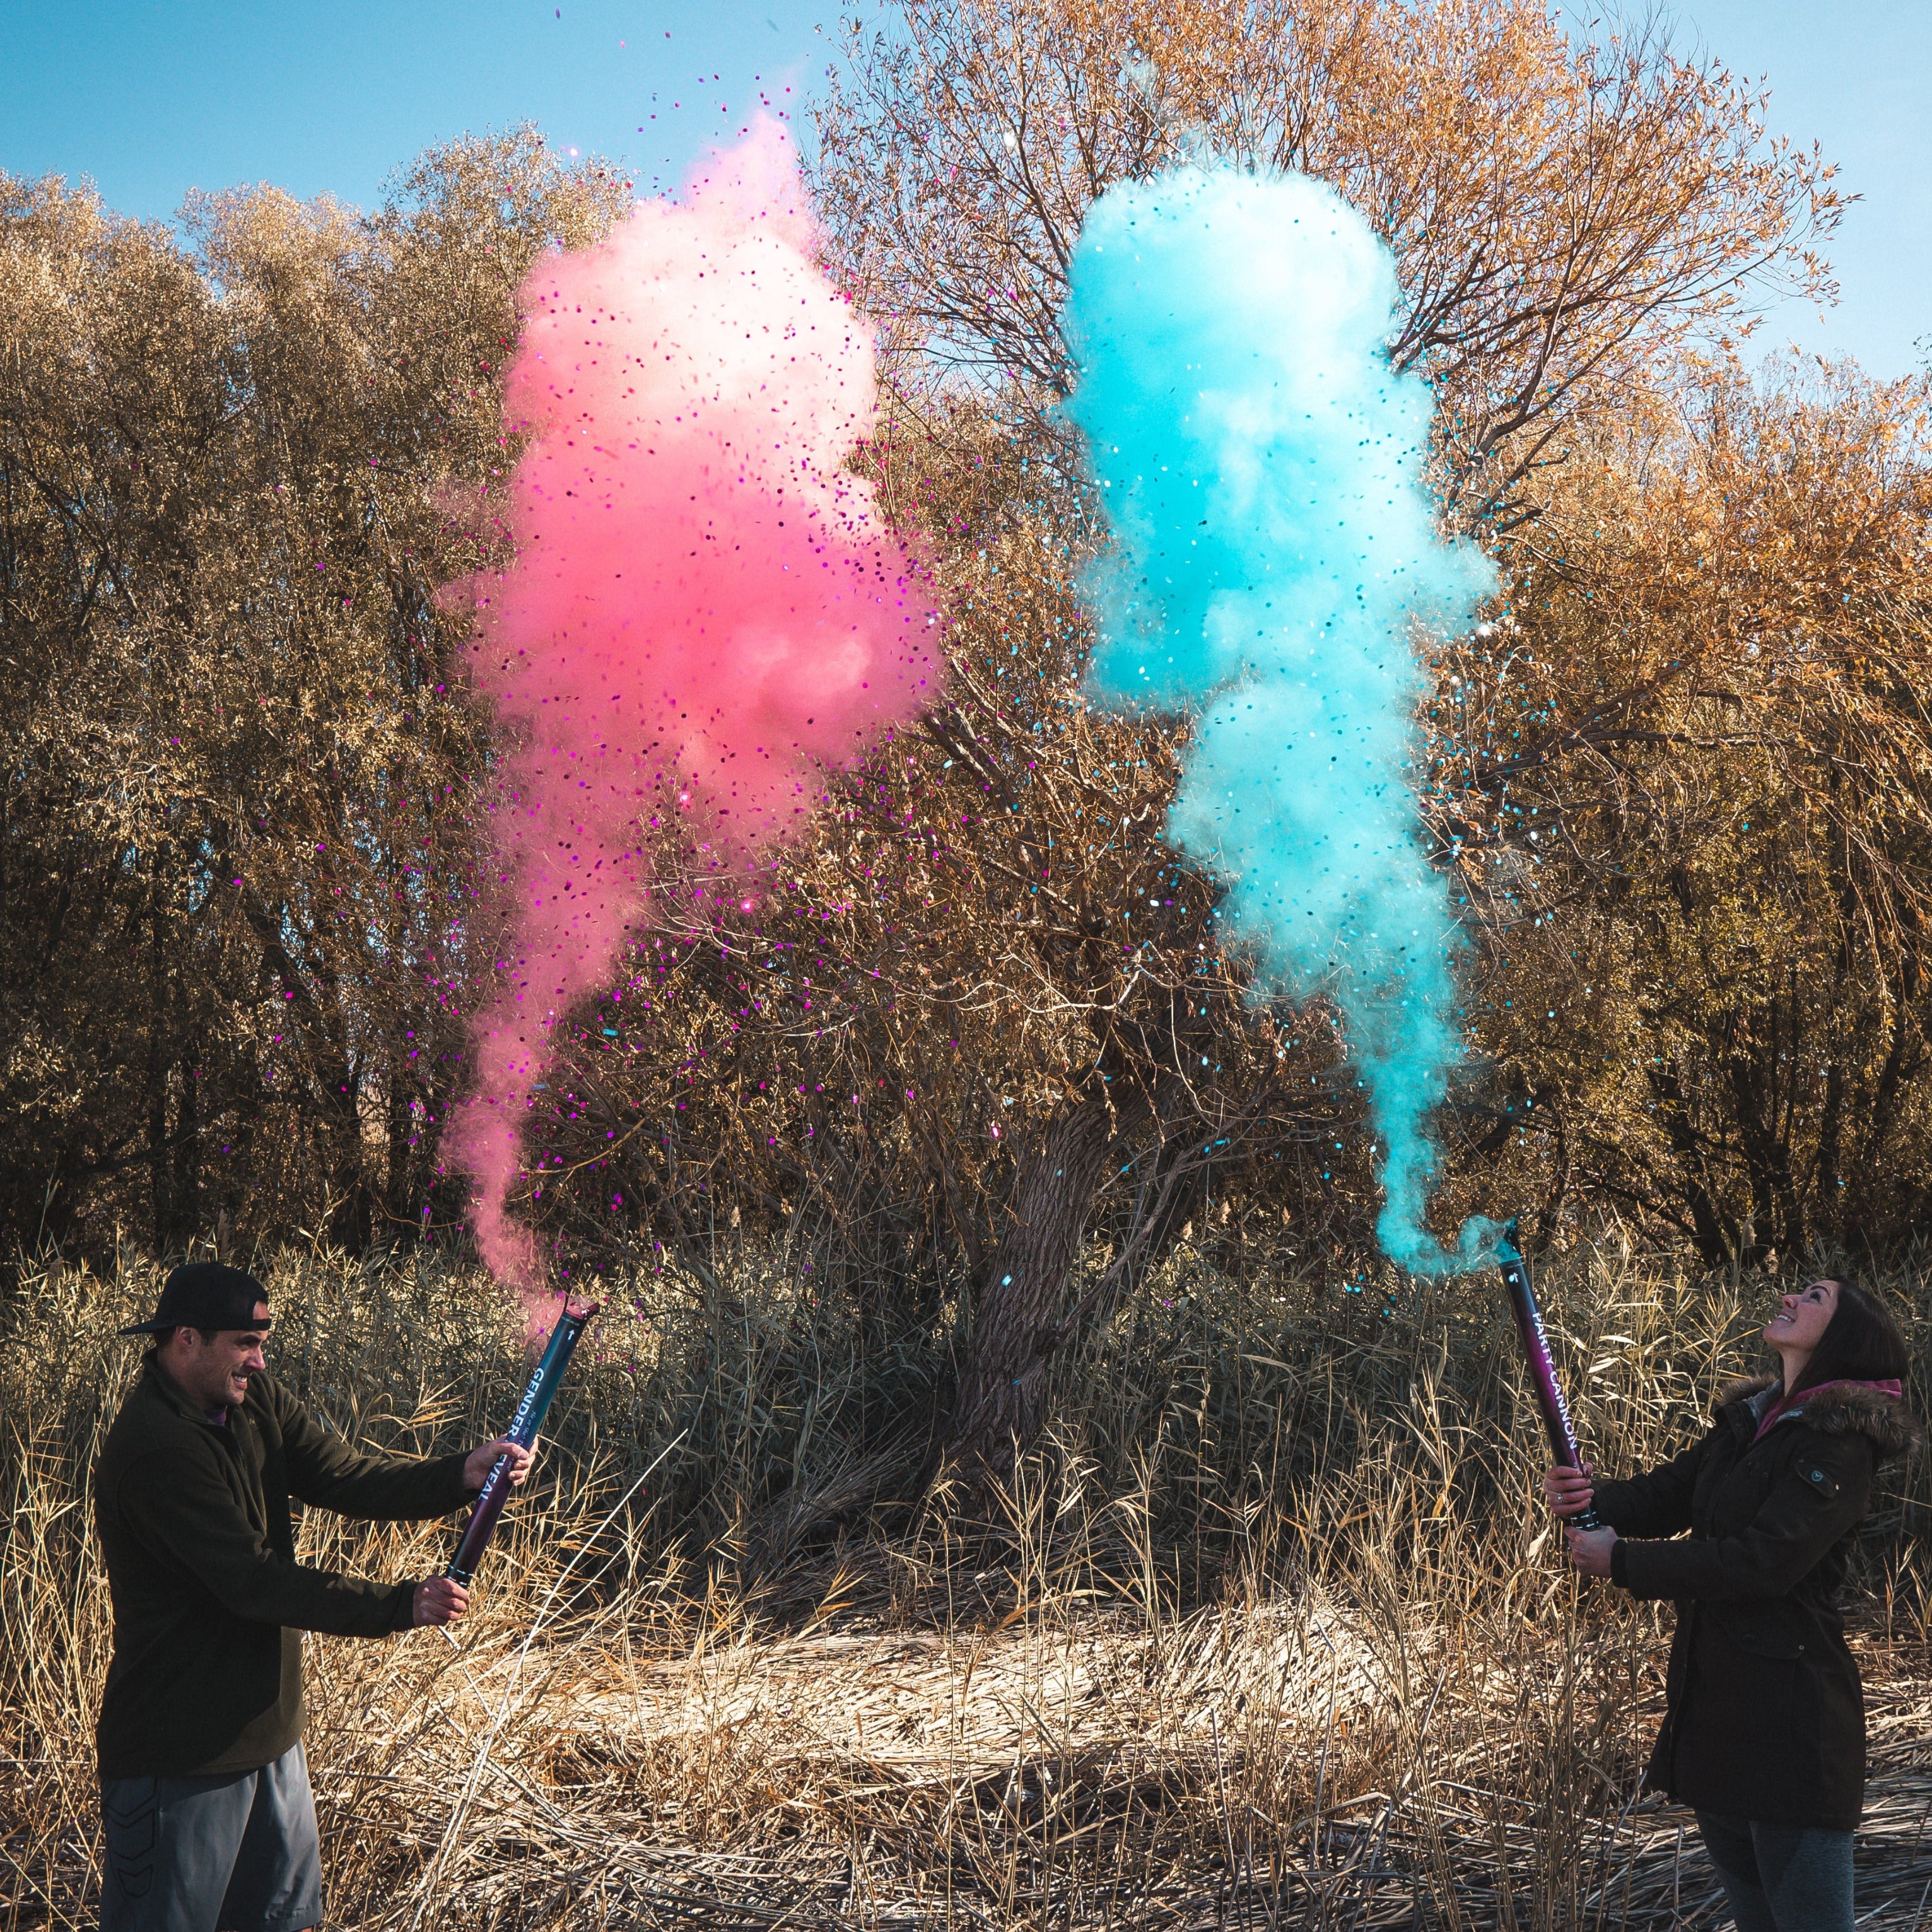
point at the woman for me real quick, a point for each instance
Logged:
(1763, 1733)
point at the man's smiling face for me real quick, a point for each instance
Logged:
(212, 1370)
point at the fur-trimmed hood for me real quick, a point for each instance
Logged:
(1847, 1409)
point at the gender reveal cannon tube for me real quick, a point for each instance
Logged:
(1543, 1380)
(523, 1426)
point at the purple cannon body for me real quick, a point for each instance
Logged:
(1542, 1382)
(523, 1426)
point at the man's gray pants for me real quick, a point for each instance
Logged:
(237, 1853)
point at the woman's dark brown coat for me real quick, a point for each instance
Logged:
(1765, 1716)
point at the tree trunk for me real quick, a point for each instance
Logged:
(1021, 1299)
(1708, 1224)
(315, 1010)
(188, 1144)
(160, 1196)
(398, 1192)
(1831, 1131)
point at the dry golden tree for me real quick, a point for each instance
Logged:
(1686, 783)
(237, 461)
(1564, 212)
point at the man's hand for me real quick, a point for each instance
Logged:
(1590, 1549)
(1568, 1492)
(439, 1600)
(477, 1464)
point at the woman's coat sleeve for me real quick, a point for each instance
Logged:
(1657, 1504)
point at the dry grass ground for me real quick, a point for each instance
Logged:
(1272, 1634)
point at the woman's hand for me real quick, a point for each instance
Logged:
(1590, 1549)
(1568, 1492)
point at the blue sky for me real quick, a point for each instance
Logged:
(1855, 75)
(150, 100)
(151, 97)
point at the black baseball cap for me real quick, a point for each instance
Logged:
(207, 1295)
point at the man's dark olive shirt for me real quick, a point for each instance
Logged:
(208, 1600)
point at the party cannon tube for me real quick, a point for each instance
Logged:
(1543, 1380)
(523, 1426)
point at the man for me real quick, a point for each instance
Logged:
(205, 1799)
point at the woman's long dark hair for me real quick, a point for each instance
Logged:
(1862, 1342)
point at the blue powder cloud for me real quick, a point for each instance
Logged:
(1275, 554)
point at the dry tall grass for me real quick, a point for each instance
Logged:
(1274, 1634)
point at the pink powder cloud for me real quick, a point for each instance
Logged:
(706, 608)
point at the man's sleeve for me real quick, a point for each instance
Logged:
(1822, 1494)
(1656, 1504)
(182, 1508)
(324, 1470)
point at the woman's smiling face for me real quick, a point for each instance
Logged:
(1803, 1316)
